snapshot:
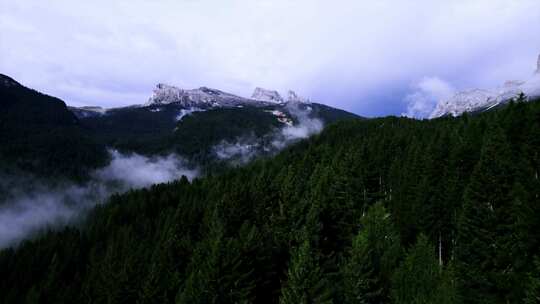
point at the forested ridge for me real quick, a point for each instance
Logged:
(35, 130)
(388, 210)
(42, 138)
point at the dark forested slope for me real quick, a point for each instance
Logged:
(41, 136)
(388, 210)
(157, 129)
(35, 131)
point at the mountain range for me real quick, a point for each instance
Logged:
(384, 210)
(191, 123)
(290, 202)
(478, 100)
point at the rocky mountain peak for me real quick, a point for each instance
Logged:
(209, 97)
(266, 95)
(164, 93)
(201, 97)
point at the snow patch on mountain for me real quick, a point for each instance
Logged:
(482, 99)
(465, 101)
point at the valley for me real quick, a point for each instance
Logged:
(382, 209)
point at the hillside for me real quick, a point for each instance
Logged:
(35, 130)
(388, 210)
(193, 122)
(157, 129)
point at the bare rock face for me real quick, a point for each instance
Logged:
(205, 97)
(164, 94)
(266, 95)
(201, 97)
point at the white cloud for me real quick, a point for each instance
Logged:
(113, 52)
(245, 148)
(427, 93)
(33, 204)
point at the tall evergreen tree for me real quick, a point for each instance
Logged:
(420, 279)
(374, 253)
(532, 289)
(484, 225)
(305, 281)
(220, 270)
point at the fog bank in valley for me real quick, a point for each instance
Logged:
(31, 204)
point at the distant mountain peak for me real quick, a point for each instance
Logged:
(201, 97)
(164, 93)
(205, 97)
(266, 95)
(484, 99)
(274, 96)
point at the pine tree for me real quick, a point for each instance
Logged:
(374, 253)
(420, 279)
(532, 289)
(221, 267)
(484, 225)
(305, 280)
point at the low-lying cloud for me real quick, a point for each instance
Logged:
(137, 171)
(427, 93)
(34, 205)
(305, 127)
(240, 152)
(245, 148)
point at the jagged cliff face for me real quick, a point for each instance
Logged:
(484, 99)
(207, 97)
(201, 97)
(266, 95)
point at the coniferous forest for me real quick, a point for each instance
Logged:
(386, 210)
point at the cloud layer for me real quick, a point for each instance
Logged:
(358, 55)
(244, 149)
(33, 205)
(425, 96)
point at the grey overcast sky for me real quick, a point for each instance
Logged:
(369, 57)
